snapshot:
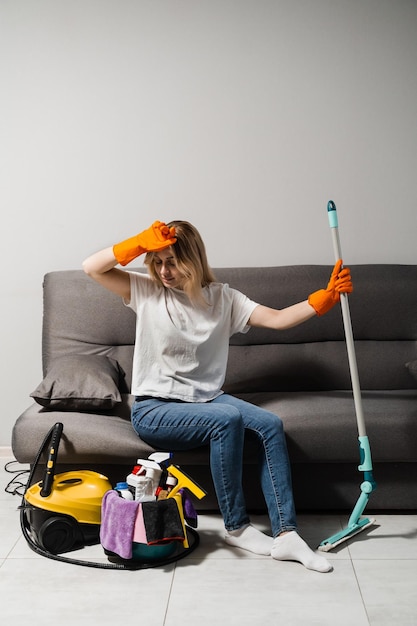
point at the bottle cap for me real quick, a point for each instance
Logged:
(122, 485)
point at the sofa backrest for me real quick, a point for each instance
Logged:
(81, 317)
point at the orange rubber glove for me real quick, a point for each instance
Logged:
(340, 282)
(157, 237)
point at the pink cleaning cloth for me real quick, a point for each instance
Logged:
(139, 532)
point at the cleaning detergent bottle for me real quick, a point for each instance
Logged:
(141, 484)
(123, 490)
(146, 475)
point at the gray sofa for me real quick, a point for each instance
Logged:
(302, 374)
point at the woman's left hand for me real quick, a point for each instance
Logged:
(340, 282)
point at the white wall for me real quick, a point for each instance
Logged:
(243, 116)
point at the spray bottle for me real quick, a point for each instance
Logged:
(146, 475)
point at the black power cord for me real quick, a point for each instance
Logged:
(15, 487)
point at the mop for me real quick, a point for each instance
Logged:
(356, 522)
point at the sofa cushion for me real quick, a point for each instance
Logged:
(321, 427)
(80, 383)
(412, 368)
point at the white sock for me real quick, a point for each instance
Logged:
(251, 539)
(290, 547)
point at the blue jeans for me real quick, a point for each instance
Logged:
(221, 423)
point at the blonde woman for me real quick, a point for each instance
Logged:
(184, 321)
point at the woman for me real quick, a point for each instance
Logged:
(184, 321)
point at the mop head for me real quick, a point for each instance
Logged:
(344, 535)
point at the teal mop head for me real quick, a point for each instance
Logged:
(345, 534)
(356, 524)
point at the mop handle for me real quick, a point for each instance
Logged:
(357, 397)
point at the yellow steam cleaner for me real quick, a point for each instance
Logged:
(63, 511)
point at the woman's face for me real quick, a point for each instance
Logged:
(166, 268)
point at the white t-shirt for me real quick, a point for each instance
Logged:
(181, 350)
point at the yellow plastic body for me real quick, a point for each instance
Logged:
(77, 493)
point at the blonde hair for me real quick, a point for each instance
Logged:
(191, 260)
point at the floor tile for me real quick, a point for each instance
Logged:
(9, 529)
(392, 536)
(389, 592)
(263, 591)
(47, 589)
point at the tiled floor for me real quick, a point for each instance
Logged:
(374, 581)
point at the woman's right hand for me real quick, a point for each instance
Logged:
(157, 237)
